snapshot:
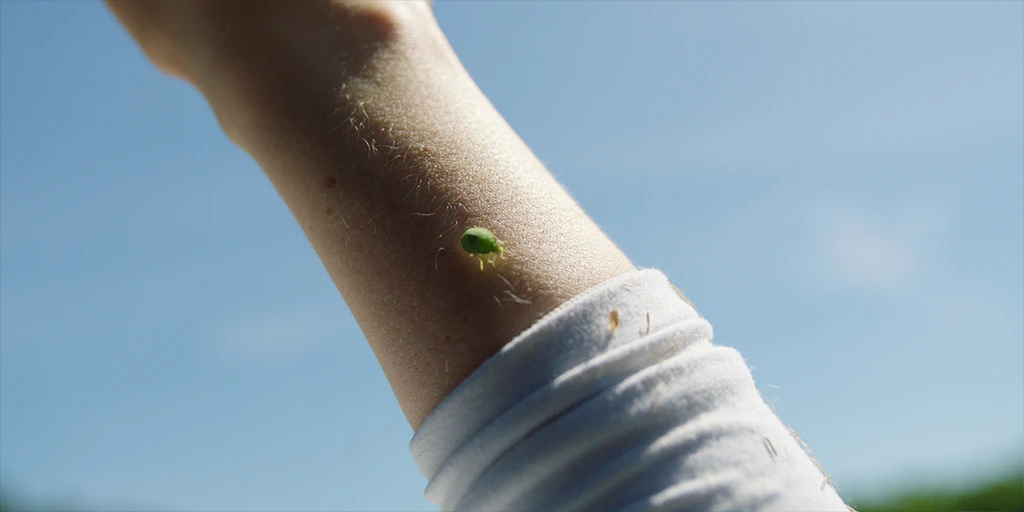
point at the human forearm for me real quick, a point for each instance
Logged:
(385, 151)
(384, 190)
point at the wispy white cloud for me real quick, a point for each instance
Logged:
(881, 249)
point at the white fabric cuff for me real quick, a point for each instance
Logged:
(634, 410)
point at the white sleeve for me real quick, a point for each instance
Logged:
(644, 414)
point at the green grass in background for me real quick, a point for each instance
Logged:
(1003, 494)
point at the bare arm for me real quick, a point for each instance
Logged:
(386, 151)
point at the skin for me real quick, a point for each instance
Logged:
(385, 150)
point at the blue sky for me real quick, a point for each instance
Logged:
(839, 187)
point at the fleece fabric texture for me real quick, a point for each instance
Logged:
(615, 401)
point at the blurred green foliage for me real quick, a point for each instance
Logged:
(1004, 494)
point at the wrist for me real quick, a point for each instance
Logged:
(280, 70)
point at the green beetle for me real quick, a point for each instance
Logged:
(481, 242)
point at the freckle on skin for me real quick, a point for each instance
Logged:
(330, 182)
(328, 210)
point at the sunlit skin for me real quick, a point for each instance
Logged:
(386, 151)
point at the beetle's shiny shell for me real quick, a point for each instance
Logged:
(479, 241)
